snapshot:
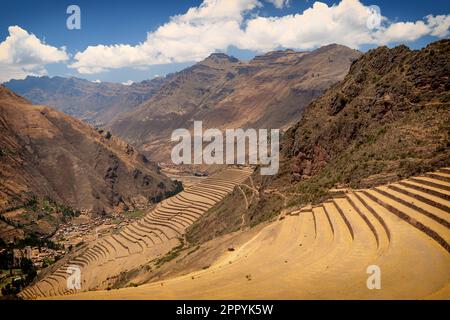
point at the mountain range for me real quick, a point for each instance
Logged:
(387, 120)
(269, 91)
(97, 103)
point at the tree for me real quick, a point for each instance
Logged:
(2, 244)
(27, 266)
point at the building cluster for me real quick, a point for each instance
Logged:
(40, 256)
(72, 233)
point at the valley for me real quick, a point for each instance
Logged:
(140, 242)
(363, 183)
(402, 227)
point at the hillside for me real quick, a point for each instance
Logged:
(47, 154)
(327, 251)
(97, 103)
(142, 245)
(387, 120)
(269, 91)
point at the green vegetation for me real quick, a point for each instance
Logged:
(16, 278)
(134, 214)
(47, 262)
(13, 277)
(124, 278)
(10, 222)
(231, 214)
(46, 206)
(381, 155)
(175, 252)
(27, 217)
(387, 120)
(266, 208)
(33, 241)
(161, 196)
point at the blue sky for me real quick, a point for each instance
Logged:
(127, 53)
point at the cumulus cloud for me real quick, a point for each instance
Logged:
(439, 25)
(22, 54)
(187, 37)
(280, 3)
(346, 23)
(218, 24)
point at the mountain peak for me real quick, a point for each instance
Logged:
(333, 47)
(220, 58)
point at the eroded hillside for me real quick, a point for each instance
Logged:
(46, 154)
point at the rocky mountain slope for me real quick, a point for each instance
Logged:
(93, 102)
(388, 119)
(47, 154)
(269, 91)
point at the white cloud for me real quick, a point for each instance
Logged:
(280, 3)
(402, 31)
(187, 37)
(97, 81)
(22, 54)
(439, 24)
(345, 23)
(217, 24)
(128, 83)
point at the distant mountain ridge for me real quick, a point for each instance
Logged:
(97, 103)
(270, 91)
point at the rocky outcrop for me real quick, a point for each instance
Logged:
(386, 120)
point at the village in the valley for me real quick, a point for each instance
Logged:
(77, 231)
